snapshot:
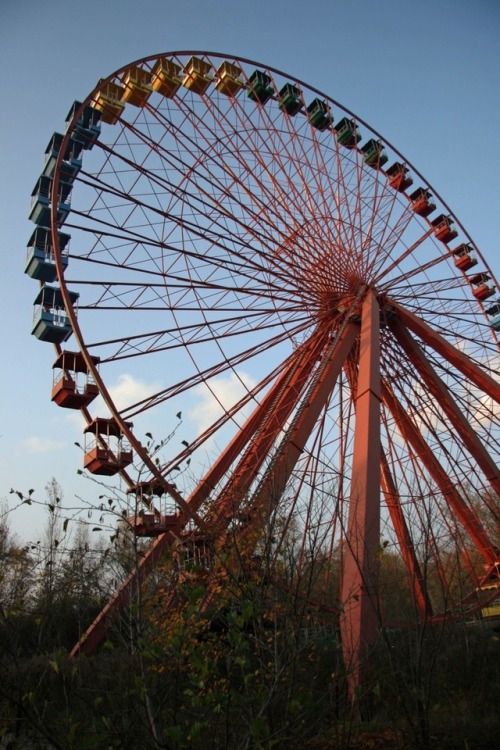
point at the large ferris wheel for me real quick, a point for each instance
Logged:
(206, 220)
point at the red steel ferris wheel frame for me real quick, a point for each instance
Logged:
(295, 402)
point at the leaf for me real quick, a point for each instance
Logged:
(185, 442)
(149, 435)
(179, 414)
(97, 528)
(65, 524)
(51, 507)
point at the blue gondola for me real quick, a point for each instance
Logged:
(493, 313)
(87, 128)
(40, 262)
(40, 201)
(50, 319)
(71, 163)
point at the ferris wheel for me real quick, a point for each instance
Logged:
(211, 228)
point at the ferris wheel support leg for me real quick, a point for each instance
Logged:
(122, 597)
(359, 620)
(463, 512)
(448, 404)
(461, 361)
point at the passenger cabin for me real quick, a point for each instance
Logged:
(493, 313)
(87, 126)
(166, 79)
(397, 175)
(346, 133)
(318, 114)
(480, 287)
(373, 153)
(442, 228)
(197, 78)
(151, 525)
(228, 81)
(260, 88)
(109, 102)
(73, 385)
(138, 89)
(40, 261)
(153, 522)
(194, 556)
(106, 449)
(491, 579)
(290, 99)
(464, 258)
(71, 162)
(50, 319)
(421, 202)
(41, 201)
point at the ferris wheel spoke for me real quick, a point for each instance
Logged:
(216, 237)
(127, 347)
(216, 240)
(203, 376)
(406, 546)
(397, 262)
(264, 205)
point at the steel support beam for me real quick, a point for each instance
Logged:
(459, 360)
(464, 513)
(359, 621)
(445, 399)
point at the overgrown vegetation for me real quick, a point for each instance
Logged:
(259, 667)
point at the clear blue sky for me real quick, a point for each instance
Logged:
(425, 75)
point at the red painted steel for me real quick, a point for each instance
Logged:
(426, 455)
(360, 618)
(445, 399)
(458, 359)
(256, 237)
(406, 546)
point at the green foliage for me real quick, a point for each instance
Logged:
(259, 669)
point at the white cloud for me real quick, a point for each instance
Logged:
(35, 444)
(127, 390)
(222, 393)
